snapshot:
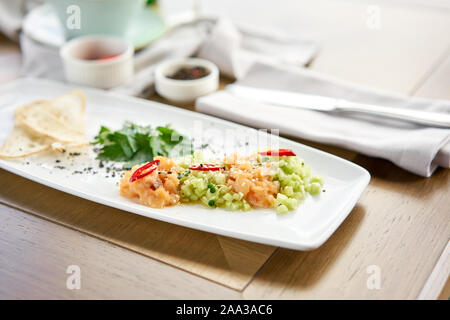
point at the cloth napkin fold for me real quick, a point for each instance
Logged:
(231, 47)
(12, 14)
(415, 148)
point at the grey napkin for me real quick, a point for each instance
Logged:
(232, 48)
(415, 148)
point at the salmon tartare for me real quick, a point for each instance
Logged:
(271, 179)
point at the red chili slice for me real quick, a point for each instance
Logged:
(138, 173)
(206, 167)
(279, 152)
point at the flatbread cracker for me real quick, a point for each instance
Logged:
(23, 142)
(58, 124)
(61, 119)
(70, 110)
(59, 147)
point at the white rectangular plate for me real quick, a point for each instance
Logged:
(305, 228)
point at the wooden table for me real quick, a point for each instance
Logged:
(400, 225)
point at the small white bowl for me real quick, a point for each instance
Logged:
(81, 66)
(185, 91)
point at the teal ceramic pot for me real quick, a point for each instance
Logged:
(87, 17)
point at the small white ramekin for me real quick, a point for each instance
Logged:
(80, 67)
(185, 91)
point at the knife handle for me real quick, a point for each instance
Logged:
(433, 119)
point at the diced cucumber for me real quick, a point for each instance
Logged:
(295, 181)
(282, 209)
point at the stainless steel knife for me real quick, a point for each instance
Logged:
(327, 104)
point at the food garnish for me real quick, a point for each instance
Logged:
(135, 144)
(138, 174)
(206, 167)
(279, 153)
(236, 183)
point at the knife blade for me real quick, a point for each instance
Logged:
(327, 104)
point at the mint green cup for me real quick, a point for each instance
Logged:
(88, 17)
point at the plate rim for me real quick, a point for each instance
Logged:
(363, 178)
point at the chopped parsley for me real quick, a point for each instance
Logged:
(135, 144)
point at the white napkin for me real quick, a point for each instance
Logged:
(412, 147)
(12, 13)
(233, 48)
